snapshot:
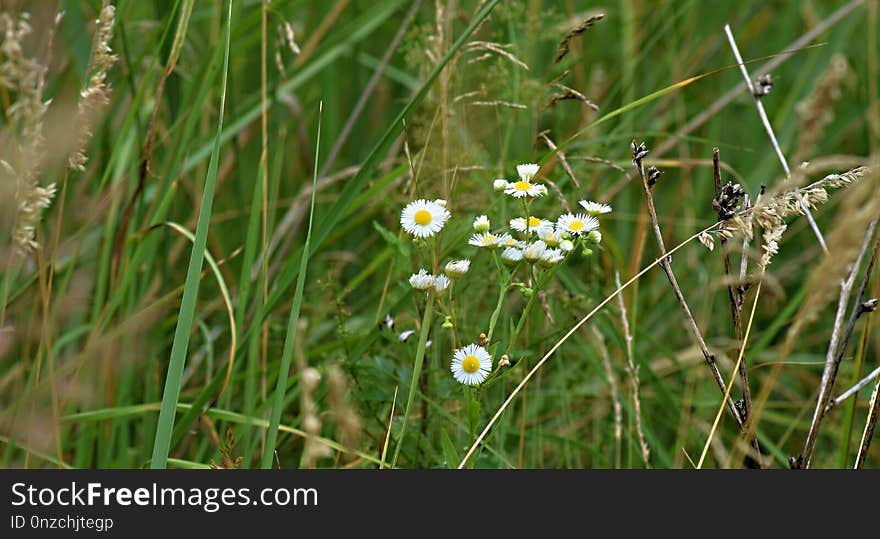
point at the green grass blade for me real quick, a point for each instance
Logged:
(290, 338)
(171, 393)
(358, 181)
(417, 372)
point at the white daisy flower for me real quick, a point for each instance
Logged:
(506, 240)
(509, 241)
(456, 268)
(404, 335)
(595, 209)
(551, 257)
(535, 225)
(534, 251)
(489, 240)
(527, 172)
(471, 365)
(525, 188)
(595, 236)
(423, 219)
(511, 256)
(481, 224)
(441, 283)
(566, 245)
(551, 237)
(421, 280)
(577, 224)
(499, 184)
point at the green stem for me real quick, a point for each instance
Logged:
(473, 410)
(451, 312)
(494, 319)
(522, 320)
(497, 312)
(539, 284)
(417, 371)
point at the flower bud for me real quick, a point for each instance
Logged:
(481, 224)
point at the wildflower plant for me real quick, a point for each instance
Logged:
(521, 258)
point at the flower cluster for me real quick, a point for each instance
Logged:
(541, 243)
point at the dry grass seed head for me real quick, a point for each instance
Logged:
(564, 46)
(348, 423)
(96, 94)
(227, 461)
(771, 210)
(25, 78)
(859, 206)
(816, 111)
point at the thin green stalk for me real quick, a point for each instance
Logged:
(171, 394)
(539, 284)
(502, 293)
(417, 371)
(290, 338)
(494, 319)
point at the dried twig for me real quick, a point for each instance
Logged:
(615, 394)
(732, 293)
(853, 390)
(633, 372)
(562, 158)
(639, 152)
(839, 338)
(756, 95)
(868, 433)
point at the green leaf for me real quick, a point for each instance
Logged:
(449, 452)
(392, 240)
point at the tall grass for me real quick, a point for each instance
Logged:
(114, 353)
(180, 344)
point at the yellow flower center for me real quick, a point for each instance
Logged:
(422, 217)
(576, 226)
(470, 364)
(522, 185)
(534, 222)
(489, 239)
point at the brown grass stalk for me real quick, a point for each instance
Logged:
(679, 296)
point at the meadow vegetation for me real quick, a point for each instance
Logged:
(439, 234)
